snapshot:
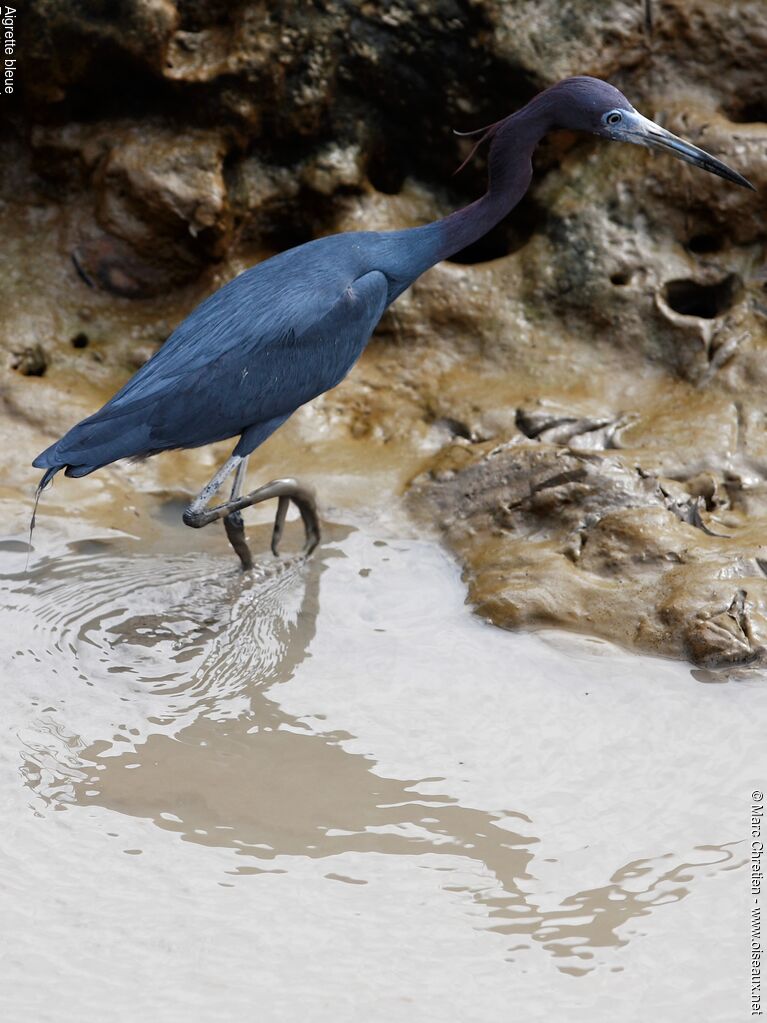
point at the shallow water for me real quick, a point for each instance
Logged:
(329, 792)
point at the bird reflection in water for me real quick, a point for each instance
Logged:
(205, 750)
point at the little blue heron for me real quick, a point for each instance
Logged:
(293, 326)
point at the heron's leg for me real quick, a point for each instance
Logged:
(239, 476)
(286, 490)
(195, 511)
(233, 524)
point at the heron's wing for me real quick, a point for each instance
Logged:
(308, 364)
(245, 388)
(283, 296)
(199, 393)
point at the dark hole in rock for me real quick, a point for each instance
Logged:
(290, 221)
(620, 279)
(456, 427)
(705, 243)
(509, 236)
(196, 15)
(286, 232)
(31, 361)
(385, 173)
(750, 112)
(132, 90)
(704, 300)
(80, 340)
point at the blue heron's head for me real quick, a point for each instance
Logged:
(588, 104)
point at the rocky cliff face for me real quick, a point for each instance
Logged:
(581, 394)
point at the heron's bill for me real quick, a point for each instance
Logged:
(644, 132)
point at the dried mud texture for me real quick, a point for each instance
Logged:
(612, 331)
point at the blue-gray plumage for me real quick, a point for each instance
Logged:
(293, 326)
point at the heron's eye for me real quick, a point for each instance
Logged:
(614, 117)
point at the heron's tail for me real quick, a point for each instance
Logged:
(95, 442)
(46, 479)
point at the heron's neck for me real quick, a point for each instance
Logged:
(509, 173)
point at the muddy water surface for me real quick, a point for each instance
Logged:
(329, 792)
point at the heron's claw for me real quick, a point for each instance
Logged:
(279, 524)
(304, 499)
(235, 531)
(285, 490)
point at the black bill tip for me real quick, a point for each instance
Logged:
(639, 129)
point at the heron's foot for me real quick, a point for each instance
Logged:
(235, 531)
(285, 490)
